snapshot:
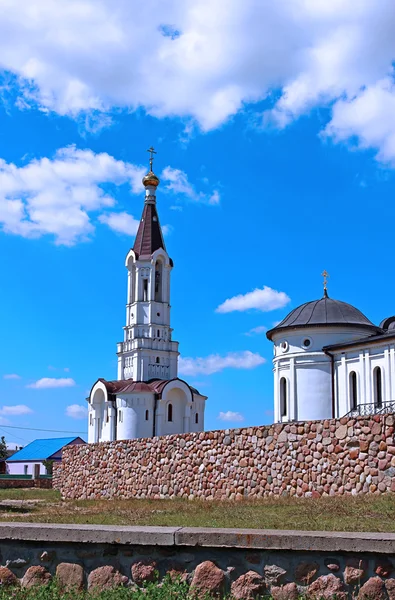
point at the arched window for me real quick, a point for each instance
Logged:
(196, 418)
(169, 412)
(145, 290)
(283, 397)
(157, 360)
(158, 281)
(146, 415)
(378, 387)
(353, 391)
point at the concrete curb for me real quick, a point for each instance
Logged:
(258, 539)
(88, 534)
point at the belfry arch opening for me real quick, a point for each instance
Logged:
(158, 280)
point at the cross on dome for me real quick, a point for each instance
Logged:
(150, 180)
(151, 158)
(325, 275)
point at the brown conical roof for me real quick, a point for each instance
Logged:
(149, 235)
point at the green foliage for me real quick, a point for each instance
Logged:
(3, 448)
(167, 590)
(48, 464)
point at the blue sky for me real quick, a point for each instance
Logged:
(276, 158)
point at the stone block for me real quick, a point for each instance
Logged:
(327, 587)
(144, 571)
(7, 577)
(208, 579)
(248, 586)
(373, 589)
(36, 576)
(106, 578)
(70, 576)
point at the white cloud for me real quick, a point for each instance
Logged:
(368, 118)
(120, 222)
(52, 382)
(257, 330)
(11, 376)
(76, 411)
(167, 230)
(56, 196)
(18, 409)
(233, 417)
(61, 196)
(265, 300)
(210, 60)
(176, 181)
(215, 363)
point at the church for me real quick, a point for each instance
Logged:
(148, 398)
(330, 360)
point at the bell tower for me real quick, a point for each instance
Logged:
(148, 351)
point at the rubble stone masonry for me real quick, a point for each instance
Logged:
(331, 457)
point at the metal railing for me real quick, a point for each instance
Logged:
(372, 408)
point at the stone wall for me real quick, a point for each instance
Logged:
(246, 563)
(345, 456)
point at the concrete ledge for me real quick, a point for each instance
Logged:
(89, 534)
(275, 539)
(259, 539)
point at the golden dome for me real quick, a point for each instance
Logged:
(151, 179)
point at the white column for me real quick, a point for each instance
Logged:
(345, 396)
(362, 379)
(138, 284)
(368, 378)
(276, 398)
(392, 372)
(335, 391)
(112, 414)
(292, 390)
(387, 375)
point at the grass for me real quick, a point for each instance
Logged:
(29, 494)
(341, 513)
(166, 591)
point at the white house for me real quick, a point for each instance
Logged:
(148, 398)
(330, 360)
(30, 459)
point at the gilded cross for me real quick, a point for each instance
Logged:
(325, 275)
(151, 158)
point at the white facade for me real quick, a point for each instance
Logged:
(148, 350)
(148, 398)
(27, 468)
(327, 370)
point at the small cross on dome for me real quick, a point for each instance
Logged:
(151, 158)
(325, 275)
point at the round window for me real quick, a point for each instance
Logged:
(284, 346)
(306, 343)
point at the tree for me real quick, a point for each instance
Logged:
(48, 464)
(3, 448)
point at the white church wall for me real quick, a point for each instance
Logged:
(97, 400)
(131, 416)
(363, 361)
(313, 391)
(197, 408)
(300, 360)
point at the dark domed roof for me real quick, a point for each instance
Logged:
(325, 312)
(388, 324)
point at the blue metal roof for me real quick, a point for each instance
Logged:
(41, 449)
